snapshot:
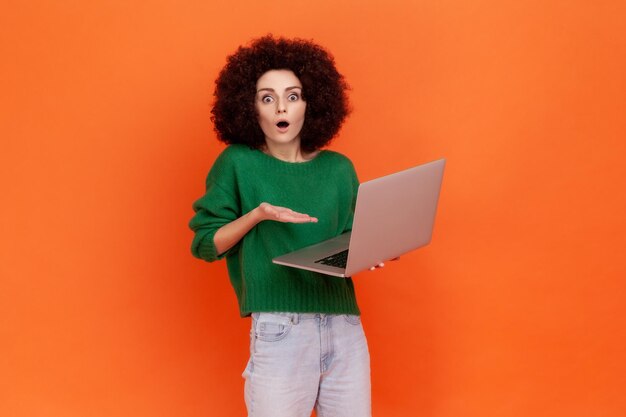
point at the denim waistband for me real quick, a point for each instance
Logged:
(295, 318)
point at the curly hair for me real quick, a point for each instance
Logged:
(323, 88)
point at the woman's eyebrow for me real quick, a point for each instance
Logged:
(272, 90)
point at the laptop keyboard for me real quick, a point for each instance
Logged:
(338, 260)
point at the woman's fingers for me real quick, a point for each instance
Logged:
(286, 215)
(380, 265)
(294, 217)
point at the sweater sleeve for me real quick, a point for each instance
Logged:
(218, 207)
(354, 181)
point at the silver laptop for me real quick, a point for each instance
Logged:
(394, 214)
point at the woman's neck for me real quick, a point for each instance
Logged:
(288, 152)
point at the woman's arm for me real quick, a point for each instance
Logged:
(228, 235)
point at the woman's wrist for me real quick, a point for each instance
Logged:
(257, 214)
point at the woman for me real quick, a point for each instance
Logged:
(273, 190)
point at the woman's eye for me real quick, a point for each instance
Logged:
(293, 97)
(267, 99)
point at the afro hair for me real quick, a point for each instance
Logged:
(323, 88)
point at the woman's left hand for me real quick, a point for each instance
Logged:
(382, 264)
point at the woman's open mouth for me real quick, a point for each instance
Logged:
(282, 125)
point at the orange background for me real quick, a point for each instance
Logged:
(516, 309)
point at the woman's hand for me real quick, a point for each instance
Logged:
(382, 264)
(283, 214)
(228, 235)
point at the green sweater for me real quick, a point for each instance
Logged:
(242, 178)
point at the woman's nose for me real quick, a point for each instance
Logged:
(280, 107)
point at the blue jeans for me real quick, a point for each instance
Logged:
(303, 361)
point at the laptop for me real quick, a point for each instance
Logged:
(394, 214)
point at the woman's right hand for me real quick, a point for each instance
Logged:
(228, 235)
(283, 214)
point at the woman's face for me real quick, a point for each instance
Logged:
(280, 107)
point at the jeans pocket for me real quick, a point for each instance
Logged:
(352, 319)
(272, 327)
